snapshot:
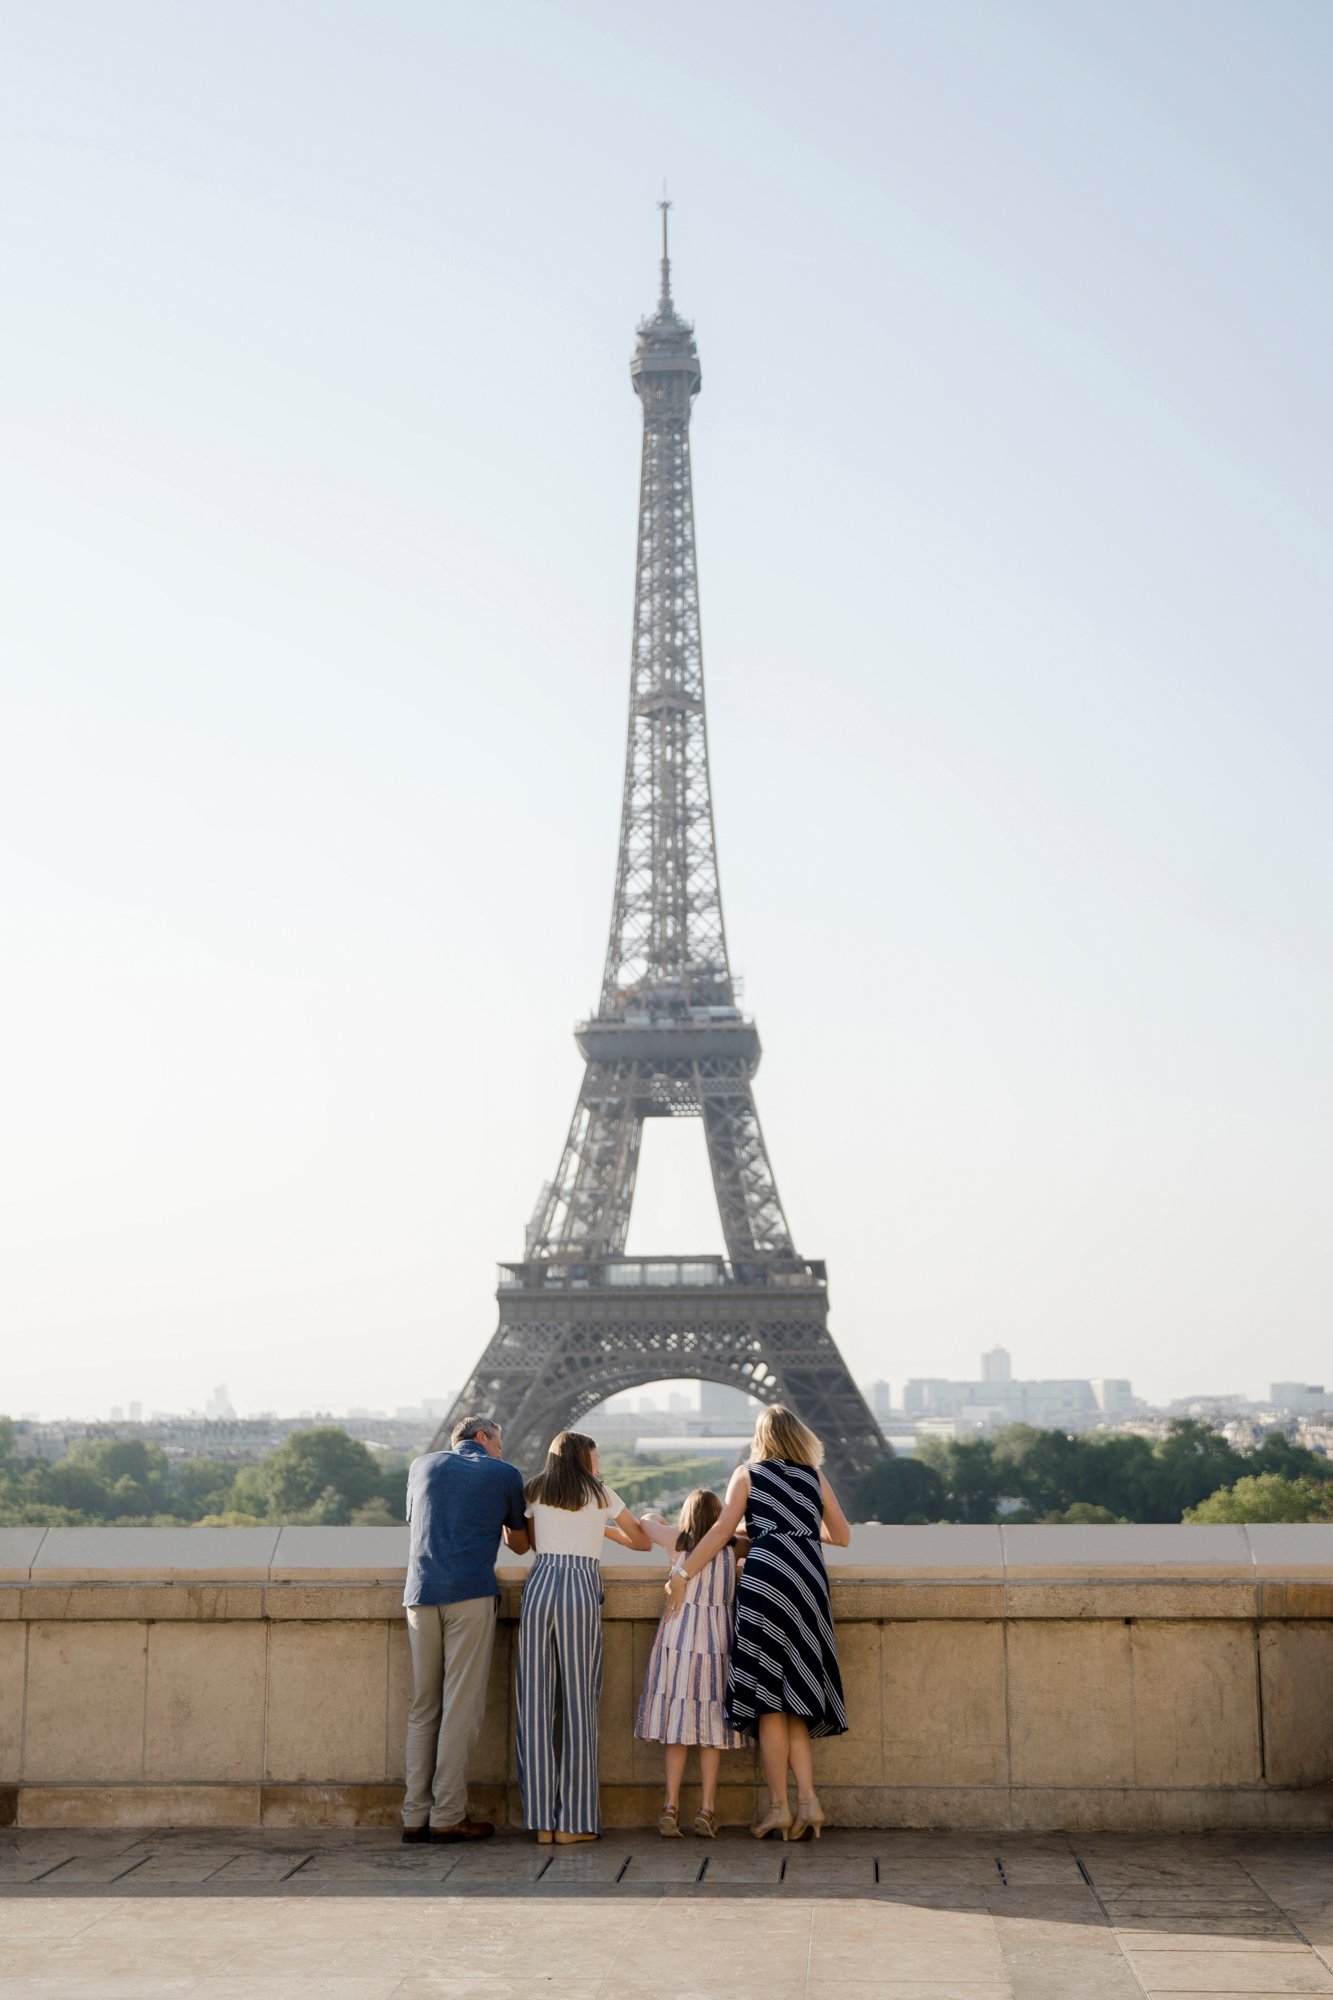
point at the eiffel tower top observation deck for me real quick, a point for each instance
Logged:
(578, 1319)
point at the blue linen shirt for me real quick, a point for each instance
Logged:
(457, 1503)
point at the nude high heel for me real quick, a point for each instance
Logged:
(776, 1820)
(809, 1819)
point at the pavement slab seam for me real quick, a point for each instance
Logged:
(1106, 1916)
(1321, 1952)
(896, 1916)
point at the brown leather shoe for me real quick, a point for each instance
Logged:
(414, 1833)
(467, 1829)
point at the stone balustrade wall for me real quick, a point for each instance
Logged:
(1043, 1678)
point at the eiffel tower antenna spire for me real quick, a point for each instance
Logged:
(579, 1320)
(664, 304)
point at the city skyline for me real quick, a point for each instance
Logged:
(1013, 548)
(686, 1392)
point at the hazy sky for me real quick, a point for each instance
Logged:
(1013, 488)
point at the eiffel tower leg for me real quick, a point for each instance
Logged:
(583, 1215)
(586, 1208)
(753, 1224)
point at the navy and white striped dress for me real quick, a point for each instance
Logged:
(784, 1657)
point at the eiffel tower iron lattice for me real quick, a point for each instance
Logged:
(579, 1320)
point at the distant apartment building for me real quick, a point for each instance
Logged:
(722, 1407)
(1303, 1399)
(997, 1399)
(878, 1399)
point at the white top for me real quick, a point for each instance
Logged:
(569, 1531)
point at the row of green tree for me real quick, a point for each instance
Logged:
(1021, 1474)
(661, 1477)
(317, 1476)
(1025, 1474)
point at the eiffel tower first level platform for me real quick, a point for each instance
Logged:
(579, 1320)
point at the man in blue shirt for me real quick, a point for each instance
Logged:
(459, 1502)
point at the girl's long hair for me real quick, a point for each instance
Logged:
(567, 1479)
(697, 1516)
(779, 1433)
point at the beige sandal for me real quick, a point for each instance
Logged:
(705, 1823)
(776, 1820)
(809, 1820)
(668, 1823)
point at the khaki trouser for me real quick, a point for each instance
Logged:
(451, 1663)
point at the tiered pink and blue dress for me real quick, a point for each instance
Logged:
(686, 1681)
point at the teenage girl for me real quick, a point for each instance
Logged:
(571, 1510)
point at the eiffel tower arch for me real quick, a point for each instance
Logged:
(579, 1320)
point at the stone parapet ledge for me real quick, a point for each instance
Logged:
(953, 1572)
(1159, 1677)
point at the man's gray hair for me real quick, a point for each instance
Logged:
(474, 1427)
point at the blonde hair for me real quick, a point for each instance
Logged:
(779, 1433)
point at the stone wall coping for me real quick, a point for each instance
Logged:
(308, 1555)
(1038, 1548)
(876, 1544)
(878, 1554)
(1289, 1548)
(18, 1550)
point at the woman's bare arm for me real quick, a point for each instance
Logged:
(834, 1526)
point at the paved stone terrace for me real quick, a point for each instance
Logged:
(358, 1916)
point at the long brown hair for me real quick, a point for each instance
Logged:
(568, 1480)
(697, 1516)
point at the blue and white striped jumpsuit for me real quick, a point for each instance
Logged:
(560, 1657)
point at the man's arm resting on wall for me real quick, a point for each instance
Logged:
(518, 1540)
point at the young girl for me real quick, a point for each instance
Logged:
(686, 1680)
(570, 1510)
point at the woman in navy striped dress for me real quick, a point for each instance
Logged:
(571, 1510)
(783, 1682)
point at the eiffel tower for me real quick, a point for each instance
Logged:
(578, 1319)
